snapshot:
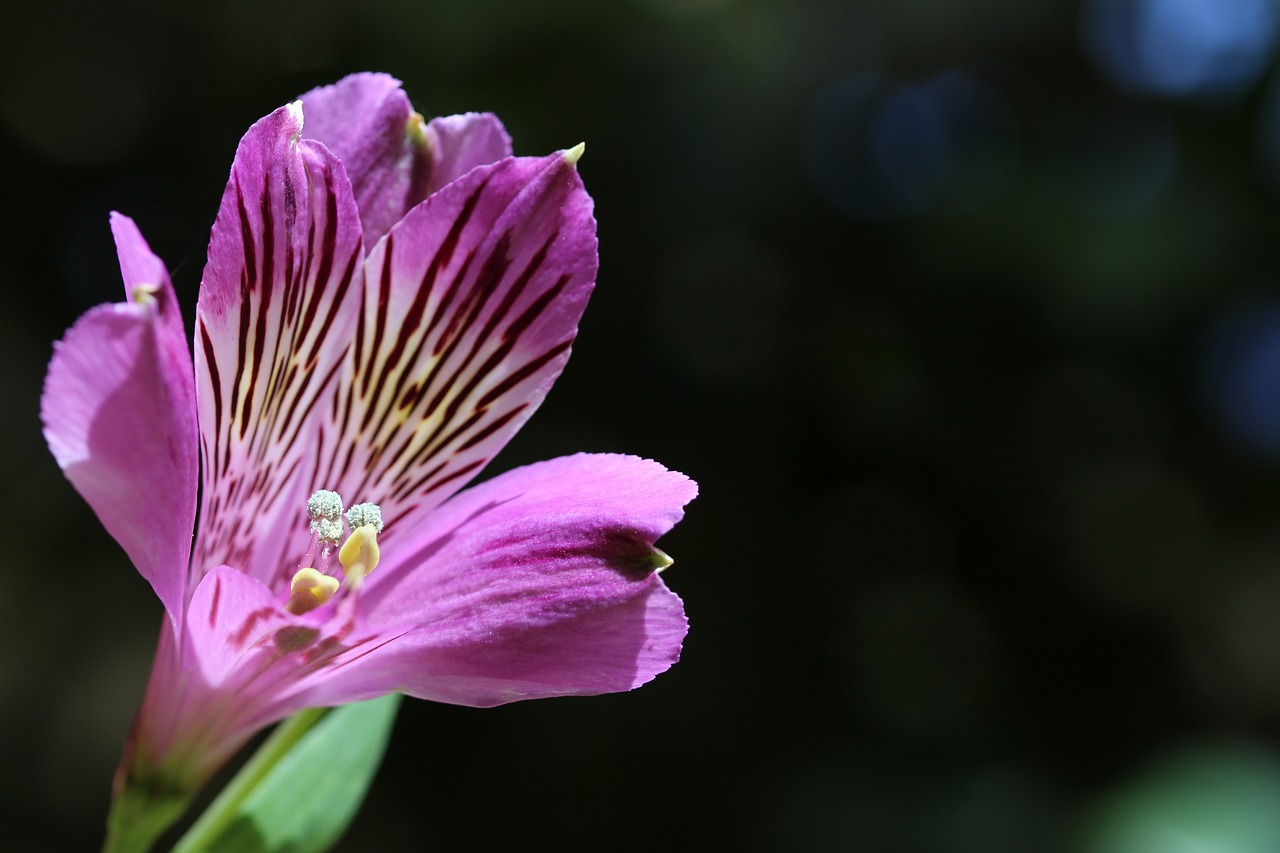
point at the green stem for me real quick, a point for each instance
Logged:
(139, 816)
(223, 809)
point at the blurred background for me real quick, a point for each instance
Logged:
(964, 313)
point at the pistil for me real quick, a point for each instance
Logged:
(309, 589)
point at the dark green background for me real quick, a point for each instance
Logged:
(974, 554)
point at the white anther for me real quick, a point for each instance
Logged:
(362, 514)
(324, 508)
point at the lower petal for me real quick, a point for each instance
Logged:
(540, 582)
(235, 668)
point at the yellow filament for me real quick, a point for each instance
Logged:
(309, 589)
(359, 554)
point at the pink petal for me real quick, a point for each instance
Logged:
(537, 583)
(119, 416)
(462, 142)
(210, 692)
(471, 304)
(278, 305)
(392, 160)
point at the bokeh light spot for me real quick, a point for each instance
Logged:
(1240, 372)
(1181, 47)
(1197, 800)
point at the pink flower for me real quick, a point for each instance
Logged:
(386, 301)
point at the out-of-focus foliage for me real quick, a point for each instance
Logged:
(963, 314)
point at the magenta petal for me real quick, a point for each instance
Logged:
(119, 416)
(539, 582)
(394, 162)
(461, 143)
(238, 648)
(367, 122)
(278, 303)
(471, 305)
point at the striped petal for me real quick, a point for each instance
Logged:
(539, 582)
(239, 658)
(470, 306)
(277, 311)
(119, 415)
(393, 161)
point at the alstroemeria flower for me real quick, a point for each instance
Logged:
(386, 301)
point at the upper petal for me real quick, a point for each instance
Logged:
(539, 582)
(119, 416)
(278, 303)
(460, 143)
(471, 304)
(393, 161)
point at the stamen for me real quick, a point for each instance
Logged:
(361, 514)
(359, 554)
(309, 589)
(324, 508)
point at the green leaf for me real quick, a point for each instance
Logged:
(303, 787)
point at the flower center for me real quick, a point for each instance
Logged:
(314, 583)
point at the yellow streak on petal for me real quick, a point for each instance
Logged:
(309, 589)
(574, 154)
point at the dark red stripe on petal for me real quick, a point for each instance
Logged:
(517, 289)
(450, 244)
(246, 237)
(384, 301)
(215, 380)
(490, 428)
(469, 468)
(215, 601)
(306, 413)
(486, 284)
(412, 320)
(539, 305)
(242, 342)
(336, 304)
(358, 354)
(407, 488)
(524, 373)
(269, 236)
(323, 255)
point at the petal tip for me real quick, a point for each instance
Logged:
(574, 154)
(295, 118)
